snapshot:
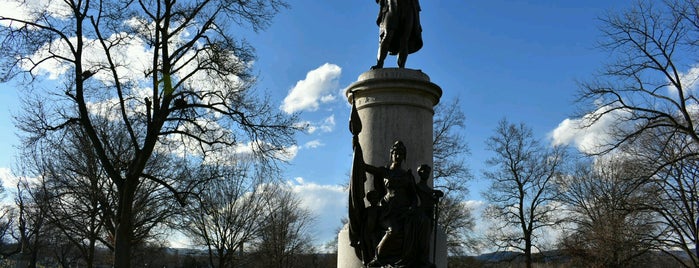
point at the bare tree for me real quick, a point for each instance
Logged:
(451, 175)
(8, 218)
(80, 202)
(60, 251)
(456, 217)
(522, 191)
(228, 212)
(190, 88)
(76, 189)
(31, 221)
(605, 202)
(286, 232)
(675, 186)
(450, 148)
(649, 94)
(676, 200)
(650, 85)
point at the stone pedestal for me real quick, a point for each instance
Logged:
(346, 258)
(393, 104)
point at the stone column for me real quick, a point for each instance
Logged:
(393, 104)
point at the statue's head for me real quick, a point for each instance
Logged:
(398, 151)
(424, 172)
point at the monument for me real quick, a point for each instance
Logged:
(392, 219)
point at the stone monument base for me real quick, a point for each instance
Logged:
(346, 258)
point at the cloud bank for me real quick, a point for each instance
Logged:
(586, 135)
(317, 88)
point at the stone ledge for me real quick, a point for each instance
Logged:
(395, 80)
(394, 73)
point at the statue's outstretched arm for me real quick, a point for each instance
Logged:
(376, 171)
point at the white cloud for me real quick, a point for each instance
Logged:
(475, 205)
(688, 79)
(327, 202)
(13, 9)
(588, 136)
(285, 154)
(324, 126)
(289, 153)
(318, 87)
(131, 55)
(327, 125)
(133, 58)
(184, 146)
(9, 181)
(31, 10)
(313, 144)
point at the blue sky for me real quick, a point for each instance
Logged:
(518, 60)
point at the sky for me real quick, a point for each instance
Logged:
(519, 60)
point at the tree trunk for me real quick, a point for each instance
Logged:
(124, 231)
(122, 247)
(528, 251)
(211, 255)
(90, 258)
(32, 259)
(221, 258)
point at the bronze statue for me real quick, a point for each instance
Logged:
(394, 229)
(399, 30)
(406, 230)
(429, 201)
(395, 233)
(426, 194)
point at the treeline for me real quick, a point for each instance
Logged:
(155, 256)
(62, 218)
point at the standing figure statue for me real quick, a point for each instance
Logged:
(401, 230)
(429, 202)
(399, 30)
